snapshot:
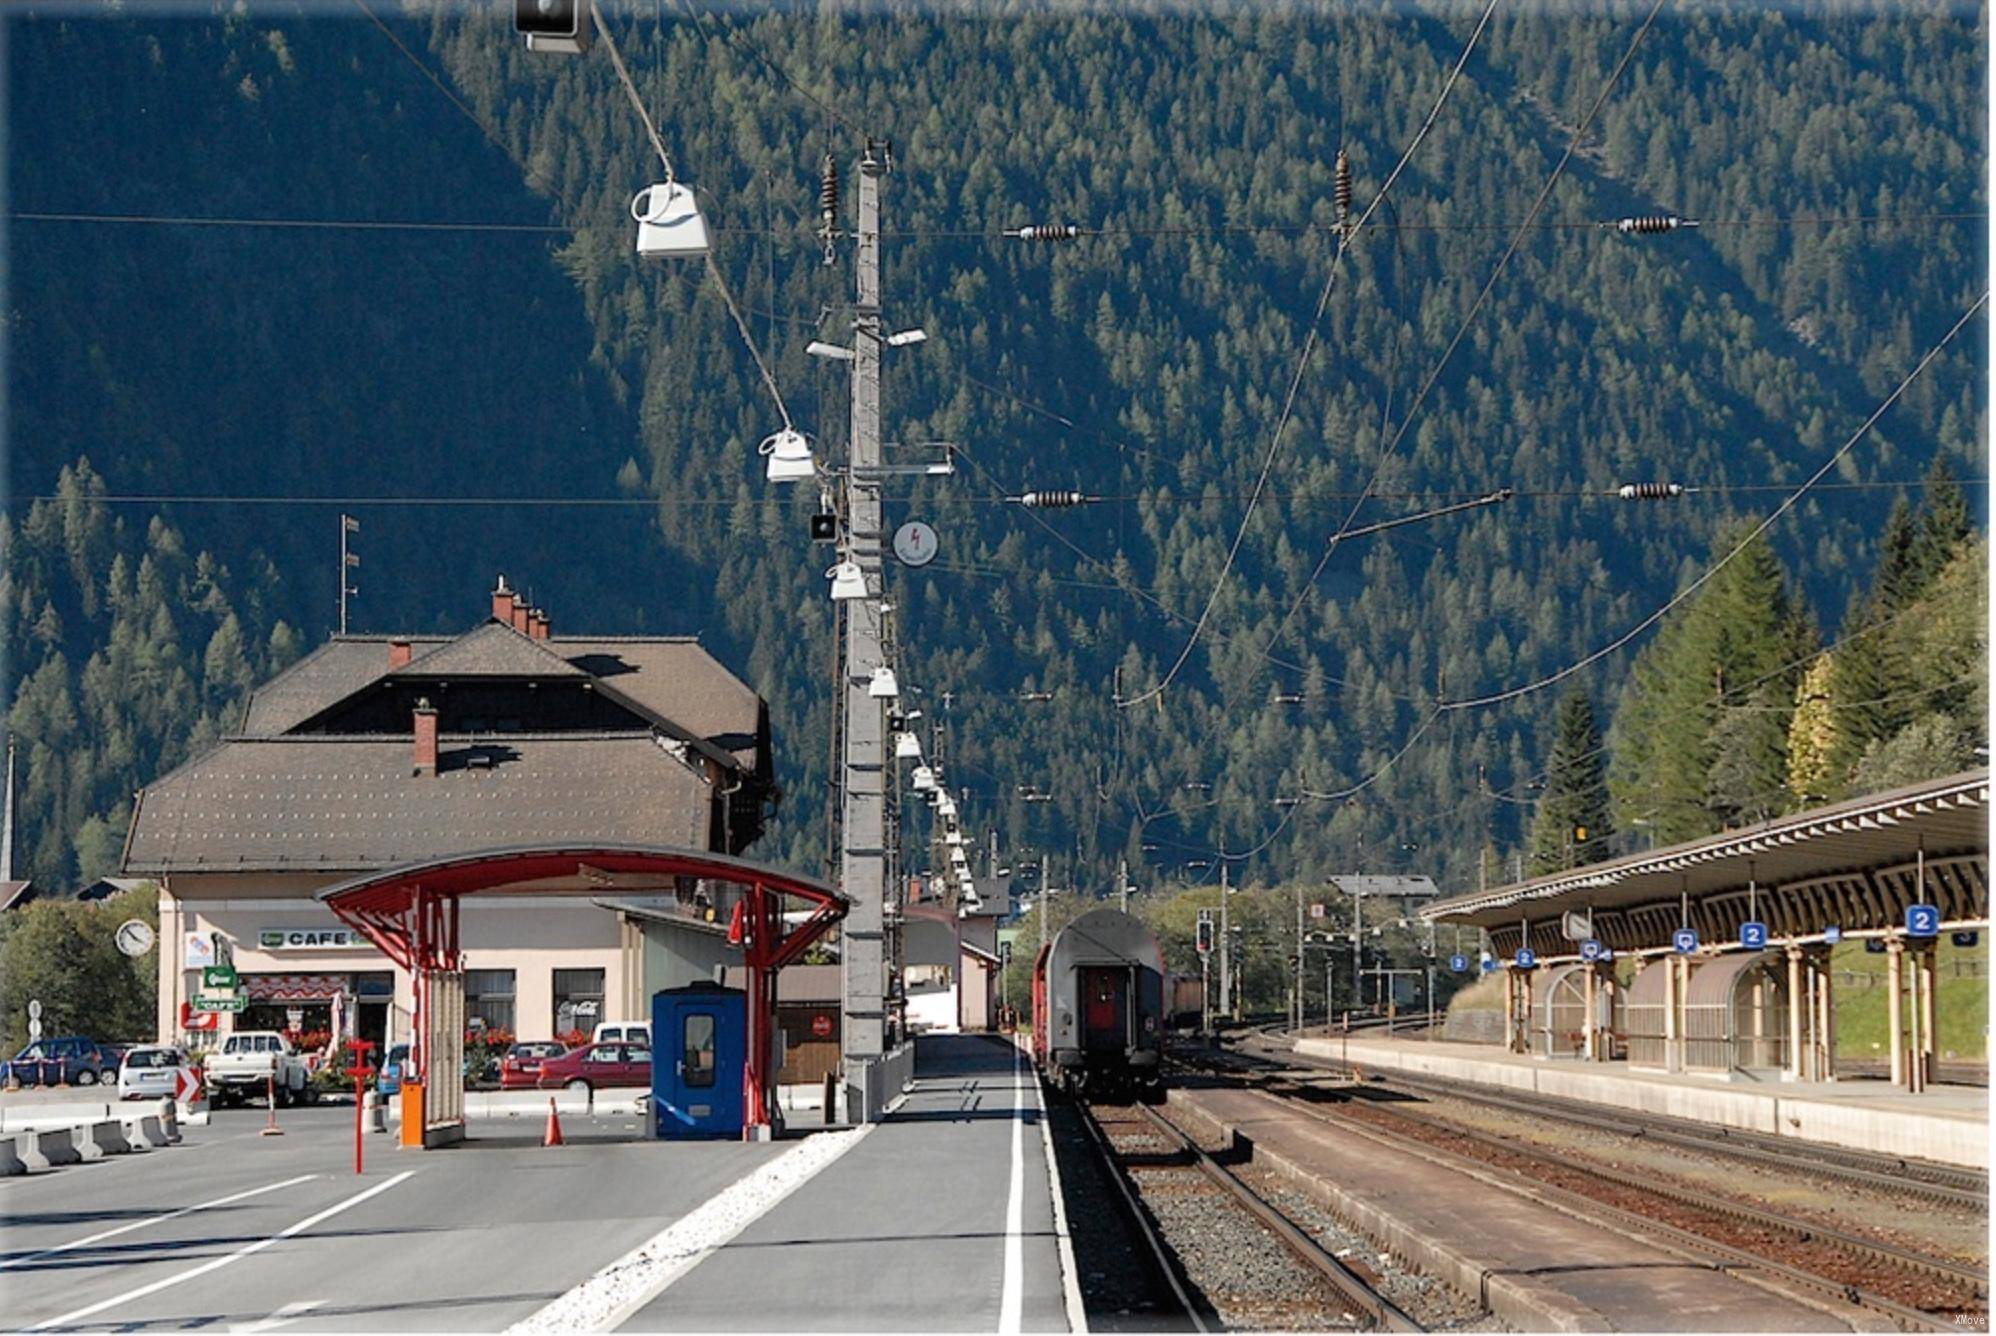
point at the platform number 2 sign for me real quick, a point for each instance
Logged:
(1923, 921)
(1753, 936)
(1458, 963)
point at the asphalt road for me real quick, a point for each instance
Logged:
(237, 1231)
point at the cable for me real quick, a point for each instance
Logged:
(1517, 238)
(1786, 505)
(1303, 362)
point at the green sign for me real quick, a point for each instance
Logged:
(203, 1003)
(218, 976)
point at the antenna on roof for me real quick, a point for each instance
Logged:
(348, 561)
(7, 822)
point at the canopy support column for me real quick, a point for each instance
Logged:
(1895, 950)
(1795, 1064)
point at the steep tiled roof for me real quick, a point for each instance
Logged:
(352, 803)
(329, 673)
(675, 678)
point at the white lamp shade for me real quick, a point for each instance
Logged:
(946, 805)
(847, 581)
(953, 838)
(883, 686)
(789, 455)
(907, 747)
(923, 779)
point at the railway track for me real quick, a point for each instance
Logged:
(1919, 1179)
(1151, 1156)
(1564, 1184)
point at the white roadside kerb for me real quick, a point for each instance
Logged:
(605, 1300)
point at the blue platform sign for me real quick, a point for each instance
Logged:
(1685, 940)
(1607, 954)
(1590, 951)
(1489, 965)
(1458, 963)
(1753, 936)
(1965, 938)
(1832, 935)
(1923, 921)
(1527, 958)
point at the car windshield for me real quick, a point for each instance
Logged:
(152, 1057)
(240, 1043)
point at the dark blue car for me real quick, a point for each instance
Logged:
(73, 1059)
(389, 1081)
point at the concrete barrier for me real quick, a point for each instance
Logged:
(96, 1140)
(169, 1118)
(11, 1162)
(146, 1132)
(48, 1148)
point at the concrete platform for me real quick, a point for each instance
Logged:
(1533, 1265)
(941, 1219)
(1949, 1125)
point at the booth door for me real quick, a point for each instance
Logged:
(699, 1050)
(1105, 1007)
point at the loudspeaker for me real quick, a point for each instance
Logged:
(553, 25)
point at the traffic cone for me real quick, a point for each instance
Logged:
(270, 1127)
(552, 1136)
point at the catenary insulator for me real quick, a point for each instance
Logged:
(1053, 500)
(1343, 187)
(1046, 232)
(1649, 491)
(1651, 225)
(828, 191)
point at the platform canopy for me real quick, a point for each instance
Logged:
(1854, 864)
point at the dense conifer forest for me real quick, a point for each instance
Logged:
(1833, 155)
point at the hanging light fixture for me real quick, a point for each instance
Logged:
(953, 838)
(946, 805)
(847, 581)
(907, 747)
(924, 779)
(789, 454)
(883, 686)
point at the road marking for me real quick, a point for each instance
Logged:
(1013, 1301)
(218, 1263)
(613, 1295)
(154, 1220)
(283, 1317)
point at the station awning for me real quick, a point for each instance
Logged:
(1845, 860)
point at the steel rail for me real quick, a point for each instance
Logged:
(1925, 1180)
(1380, 1311)
(1161, 1257)
(1670, 1236)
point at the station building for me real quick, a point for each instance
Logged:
(376, 752)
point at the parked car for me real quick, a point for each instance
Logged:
(520, 1069)
(597, 1067)
(72, 1058)
(389, 1081)
(253, 1062)
(623, 1032)
(150, 1071)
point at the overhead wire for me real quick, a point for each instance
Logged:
(1392, 445)
(1310, 341)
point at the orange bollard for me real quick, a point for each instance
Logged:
(270, 1127)
(552, 1136)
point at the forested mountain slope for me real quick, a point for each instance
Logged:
(1821, 147)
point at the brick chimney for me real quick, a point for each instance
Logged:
(426, 738)
(502, 603)
(537, 624)
(399, 654)
(520, 614)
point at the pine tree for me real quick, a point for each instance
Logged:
(1813, 735)
(1572, 825)
(1944, 523)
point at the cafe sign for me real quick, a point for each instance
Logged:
(309, 939)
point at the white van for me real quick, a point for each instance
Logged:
(622, 1032)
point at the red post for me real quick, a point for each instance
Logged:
(361, 1071)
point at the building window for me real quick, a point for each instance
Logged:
(488, 997)
(578, 1001)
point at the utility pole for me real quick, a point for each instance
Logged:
(1296, 992)
(1123, 884)
(863, 847)
(1226, 949)
(1045, 888)
(348, 560)
(1357, 938)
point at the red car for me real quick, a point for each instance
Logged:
(597, 1067)
(521, 1067)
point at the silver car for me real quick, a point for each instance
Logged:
(150, 1071)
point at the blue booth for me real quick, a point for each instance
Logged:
(699, 1037)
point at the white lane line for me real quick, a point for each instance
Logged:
(1070, 1276)
(614, 1295)
(1013, 1302)
(154, 1220)
(218, 1263)
(283, 1317)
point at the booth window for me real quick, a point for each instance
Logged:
(699, 1049)
(578, 1000)
(488, 995)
